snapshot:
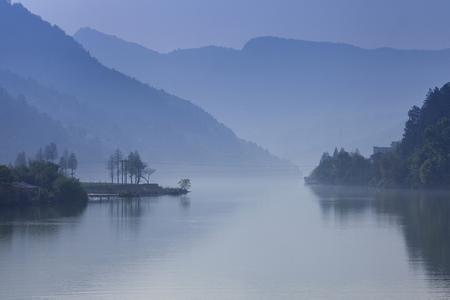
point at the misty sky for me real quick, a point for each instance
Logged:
(169, 24)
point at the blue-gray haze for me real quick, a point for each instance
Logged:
(169, 24)
(298, 98)
(92, 102)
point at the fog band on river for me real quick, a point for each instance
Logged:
(230, 238)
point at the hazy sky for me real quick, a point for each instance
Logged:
(168, 24)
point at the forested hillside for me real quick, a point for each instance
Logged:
(65, 108)
(119, 110)
(22, 128)
(421, 159)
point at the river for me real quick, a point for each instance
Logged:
(269, 238)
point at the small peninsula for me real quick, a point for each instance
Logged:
(49, 178)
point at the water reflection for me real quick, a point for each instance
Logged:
(424, 218)
(38, 220)
(129, 213)
(127, 209)
(233, 240)
(185, 202)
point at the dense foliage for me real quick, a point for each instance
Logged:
(343, 168)
(421, 160)
(6, 176)
(52, 183)
(184, 184)
(68, 190)
(40, 179)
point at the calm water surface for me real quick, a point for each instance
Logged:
(233, 239)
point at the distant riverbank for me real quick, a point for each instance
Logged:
(420, 160)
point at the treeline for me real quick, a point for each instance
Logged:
(128, 169)
(41, 178)
(420, 160)
(68, 162)
(346, 168)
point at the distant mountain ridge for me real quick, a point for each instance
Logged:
(32, 129)
(278, 91)
(55, 104)
(124, 112)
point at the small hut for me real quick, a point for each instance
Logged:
(26, 192)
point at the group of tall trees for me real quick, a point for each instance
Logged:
(51, 178)
(123, 169)
(343, 168)
(68, 162)
(422, 159)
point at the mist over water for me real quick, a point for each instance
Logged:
(244, 140)
(247, 238)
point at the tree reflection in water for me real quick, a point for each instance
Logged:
(185, 202)
(423, 216)
(37, 220)
(128, 213)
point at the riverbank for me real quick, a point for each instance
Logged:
(62, 190)
(130, 190)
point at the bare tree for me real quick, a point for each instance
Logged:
(39, 155)
(135, 167)
(72, 163)
(110, 165)
(117, 159)
(146, 173)
(125, 170)
(64, 162)
(21, 160)
(51, 152)
(131, 162)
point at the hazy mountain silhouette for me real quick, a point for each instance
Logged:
(74, 118)
(296, 97)
(24, 128)
(127, 113)
(62, 107)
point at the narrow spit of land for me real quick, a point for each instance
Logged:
(105, 190)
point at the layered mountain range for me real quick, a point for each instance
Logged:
(298, 98)
(54, 75)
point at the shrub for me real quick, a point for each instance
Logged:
(69, 190)
(6, 176)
